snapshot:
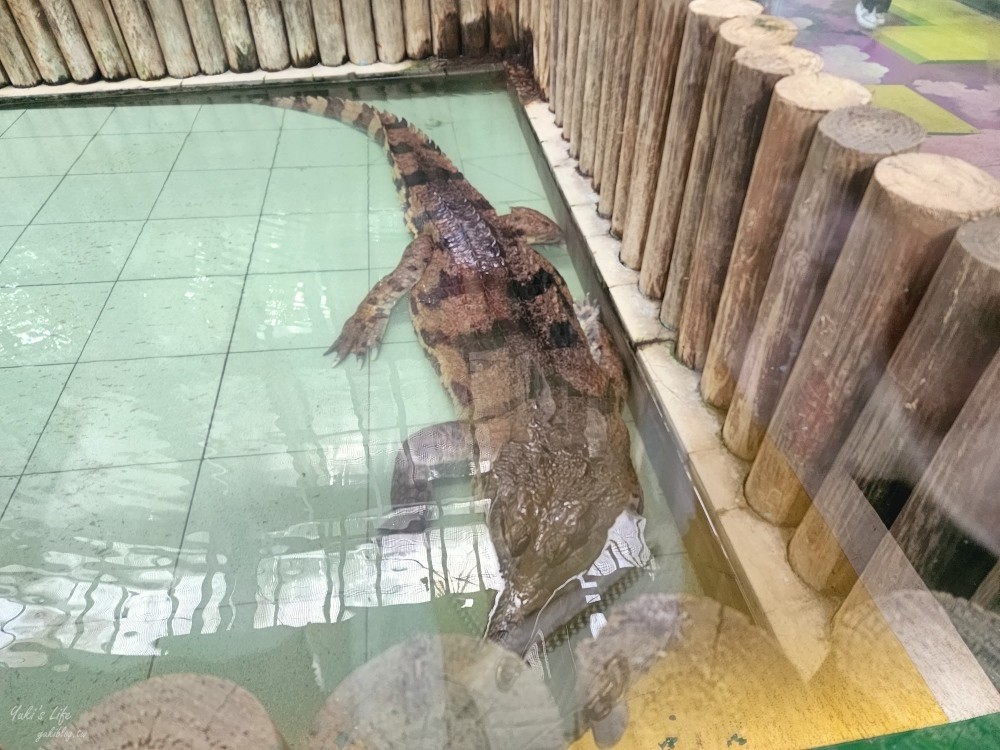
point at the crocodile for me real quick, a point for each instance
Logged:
(535, 380)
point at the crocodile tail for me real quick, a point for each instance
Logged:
(417, 162)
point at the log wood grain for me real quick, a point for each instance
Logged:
(269, 34)
(704, 17)
(237, 36)
(949, 343)
(102, 37)
(14, 55)
(41, 43)
(139, 36)
(206, 36)
(417, 24)
(733, 35)
(621, 83)
(799, 102)
(845, 149)
(303, 47)
(171, 29)
(446, 28)
(657, 89)
(65, 27)
(906, 221)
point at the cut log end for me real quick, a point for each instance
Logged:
(820, 92)
(725, 8)
(178, 710)
(757, 31)
(979, 239)
(939, 186)
(872, 130)
(779, 60)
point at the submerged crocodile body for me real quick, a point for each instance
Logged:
(539, 395)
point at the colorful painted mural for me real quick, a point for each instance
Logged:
(936, 60)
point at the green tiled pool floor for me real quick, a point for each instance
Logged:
(178, 461)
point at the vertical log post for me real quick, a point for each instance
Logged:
(553, 21)
(417, 25)
(445, 28)
(175, 41)
(359, 31)
(755, 71)
(41, 44)
(237, 36)
(475, 28)
(664, 52)
(206, 36)
(644, 46)
(758, 31)
(704, 17)
(541, 16)
(798, 104)
(950, 528)
(14, 55)
(613, 37)
(303, 47)
(559, 71)
(101, 37)
(592, 85)
(846, 147)
(137, 31)
(905, 223)
(629, 42)
(580, 79)
(908, 414)
(574, 16)
(390, 40)
(62, 21)
(269, 34)
(503, 31)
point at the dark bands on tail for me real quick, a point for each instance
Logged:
(418, 164)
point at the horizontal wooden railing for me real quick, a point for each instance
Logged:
(57, 41)
(838, 291)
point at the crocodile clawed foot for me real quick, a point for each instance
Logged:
(360, 337)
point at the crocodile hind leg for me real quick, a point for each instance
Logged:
(364, 330)
(532, 226)
(449, 450)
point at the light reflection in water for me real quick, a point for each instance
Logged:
(123, 598)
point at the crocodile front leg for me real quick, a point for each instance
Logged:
(365, 329)
(532, 226)
(450, 450)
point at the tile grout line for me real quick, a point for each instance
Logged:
(218, 390)
(69, 375)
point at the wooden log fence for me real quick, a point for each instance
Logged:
(62, 22)
(663, 56)
(704, 17)
(754, 73)
(910, 212)
(735, 34)
(908, 414)
(57, 41)
(845, 149)
(798, 104)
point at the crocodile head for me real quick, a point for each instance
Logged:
(554, 502)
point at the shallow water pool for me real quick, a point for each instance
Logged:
(185, 482)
